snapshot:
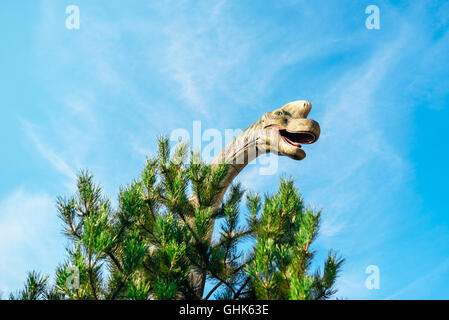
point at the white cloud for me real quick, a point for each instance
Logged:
(29, 239)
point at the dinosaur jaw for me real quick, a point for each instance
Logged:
(290, 142)
(296, 138)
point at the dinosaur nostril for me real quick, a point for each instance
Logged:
(307, 108)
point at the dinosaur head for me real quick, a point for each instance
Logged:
(284, 130)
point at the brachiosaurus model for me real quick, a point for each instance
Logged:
(281, 131)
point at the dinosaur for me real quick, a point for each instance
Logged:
(282, 131)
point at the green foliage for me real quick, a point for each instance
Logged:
(158, 244)
(35, 288)
(285, 229)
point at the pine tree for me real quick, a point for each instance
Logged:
(160, 235)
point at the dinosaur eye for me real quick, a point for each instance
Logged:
(279, 113)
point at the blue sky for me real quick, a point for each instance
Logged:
(97, 97)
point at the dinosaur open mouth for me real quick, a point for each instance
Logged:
(297, 138)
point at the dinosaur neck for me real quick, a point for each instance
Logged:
(237, 154)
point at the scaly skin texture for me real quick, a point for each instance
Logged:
(281, 131)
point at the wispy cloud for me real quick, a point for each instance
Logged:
(47, 153)
(354, 139)
(423, 281)
(216, 60)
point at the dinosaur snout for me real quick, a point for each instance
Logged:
(298, 109)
